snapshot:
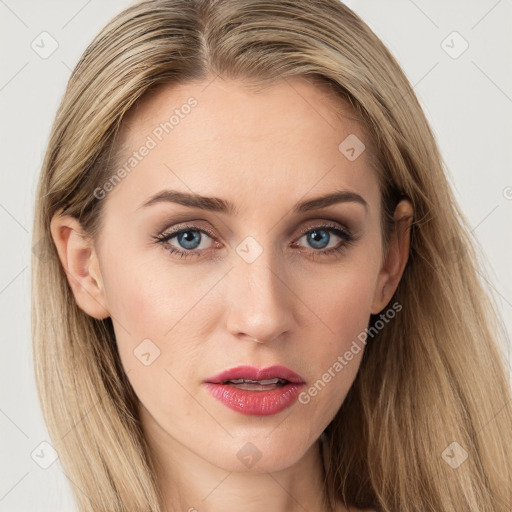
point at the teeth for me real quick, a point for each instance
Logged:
(261, 382)
(270, 381)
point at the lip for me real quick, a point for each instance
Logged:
(253, 373)
(256, 403)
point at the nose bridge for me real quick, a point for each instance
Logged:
(260, 303)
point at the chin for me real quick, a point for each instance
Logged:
(263, 451)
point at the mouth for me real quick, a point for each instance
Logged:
(256, 385)
(254, 391)
(271, 376)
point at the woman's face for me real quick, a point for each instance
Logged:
(261, 268)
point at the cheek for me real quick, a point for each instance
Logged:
(341, 298)
(152, 324)
(343, 304)
(161, 313)
(146, 297)
(141, 303)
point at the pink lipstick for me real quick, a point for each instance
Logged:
(257, 392)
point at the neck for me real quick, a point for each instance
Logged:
(189, 482)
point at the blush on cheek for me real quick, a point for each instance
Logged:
(349, 316)
(350, 305)
(135, 298)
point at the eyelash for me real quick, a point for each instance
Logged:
(345, 235)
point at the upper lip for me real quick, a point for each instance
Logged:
(253, 373)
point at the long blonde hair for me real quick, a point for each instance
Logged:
(433, 377)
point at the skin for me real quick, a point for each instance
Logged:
(264, 152)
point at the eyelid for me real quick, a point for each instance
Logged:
(190, 226)
(325, 224)
(193, 226)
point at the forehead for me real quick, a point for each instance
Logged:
(203, 136)
(242, 105)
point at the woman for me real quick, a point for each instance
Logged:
(261, 294)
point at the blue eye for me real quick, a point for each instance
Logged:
(318, 237)
(189, 238)
(189, 242)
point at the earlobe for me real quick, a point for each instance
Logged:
(397, 257)
(80, 263)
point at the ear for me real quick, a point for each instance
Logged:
(396, 258)
(80, 262)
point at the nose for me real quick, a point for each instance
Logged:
(259, 301)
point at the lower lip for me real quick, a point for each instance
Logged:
(255, 403)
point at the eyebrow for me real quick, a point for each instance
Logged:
(216, 204)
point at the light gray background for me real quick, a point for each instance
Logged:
(468, 101)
